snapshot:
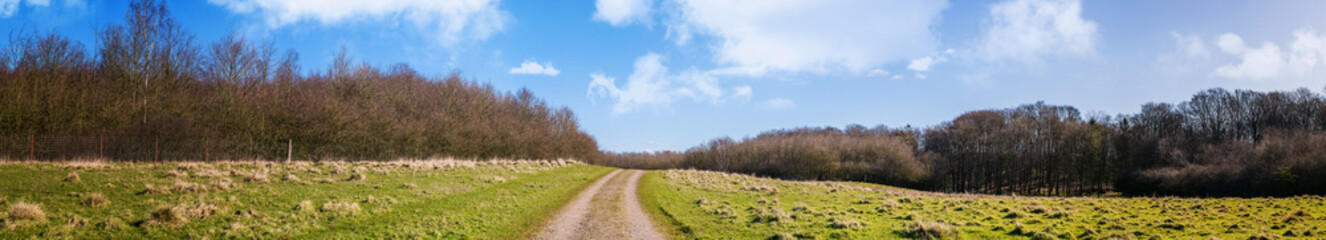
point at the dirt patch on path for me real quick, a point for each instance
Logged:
(608, 209)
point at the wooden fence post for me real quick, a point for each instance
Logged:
(290, 149)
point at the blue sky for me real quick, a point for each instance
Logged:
(670, 74)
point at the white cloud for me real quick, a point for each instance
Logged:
(752, 37)
(776, 104)
(39, 3)
(1190, 53)
(1306, 54)
(877, 73)
(8, 8)
(1026, 30)
(531, 67)
(620, 13)
(453, 21)
(651, 85)
(923, 64)
(742, 92)
(920, 76)
(896, 77)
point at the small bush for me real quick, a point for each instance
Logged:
(72, 177)
(931, 230)
(95, 200)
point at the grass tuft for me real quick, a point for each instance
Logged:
(340, 207)
(171, 216)
(290, 177)
(357, 177)
(845, 223)
(22, 211)
(930, 230)
(95, 200)
(72, 177)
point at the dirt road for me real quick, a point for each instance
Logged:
(608, 209)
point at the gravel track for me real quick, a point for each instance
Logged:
(608, 209)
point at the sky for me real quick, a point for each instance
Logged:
(650, 75)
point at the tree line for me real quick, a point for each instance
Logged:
(149, 83)
(1218, 143)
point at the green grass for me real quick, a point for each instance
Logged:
(709, 205)
(338, 200)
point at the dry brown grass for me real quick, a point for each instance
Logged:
(931, 230)
(175, 173)
(22, 211)
(289, 177)
(82, 164)
(72, 177)
(222, 184)
(256, 177)
(149, 189)
(188, 187)
(304, 206)
(95, 200)
(357, 177)
(341, 207)
(172, 216)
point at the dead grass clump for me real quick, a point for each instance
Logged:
(199, 210)
(341, 207)
(149, 189)
(22, 211)
(845, 223)
(72, 177)
(188, 187)
(85, 164)
(176, 173)
(172, 216)
(95, 200)
(409, 186)
(210, 173)
(930, 230)
(290, 178)
(357, 177)
(256, 177)
(771, 215)
(760, 188)
(222, 184)
(304, 206)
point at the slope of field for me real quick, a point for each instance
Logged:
(341, 200)
(707, 205)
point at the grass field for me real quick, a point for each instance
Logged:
(405, 199)
(709, 205)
